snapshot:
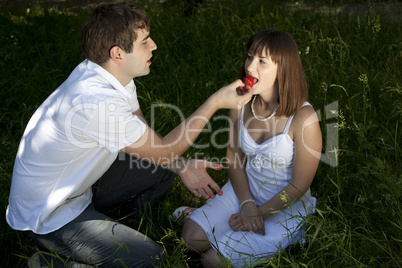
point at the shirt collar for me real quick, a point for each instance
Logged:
(125, 91)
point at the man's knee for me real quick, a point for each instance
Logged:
(149, 254)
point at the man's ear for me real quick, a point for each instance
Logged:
(116, 54)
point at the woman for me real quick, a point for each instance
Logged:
(278, 135)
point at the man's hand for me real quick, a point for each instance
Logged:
(228, 98)
(195, 177)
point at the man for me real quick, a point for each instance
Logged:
(68, 170)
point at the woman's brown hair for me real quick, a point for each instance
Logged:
(111, 25)
(291, 80)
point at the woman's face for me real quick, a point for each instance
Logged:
(263, 69)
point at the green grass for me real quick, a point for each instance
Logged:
(354, 60)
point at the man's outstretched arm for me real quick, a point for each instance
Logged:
(167, 149)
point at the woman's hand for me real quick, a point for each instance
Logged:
(236, 223)
(252, 218)
(249, 219)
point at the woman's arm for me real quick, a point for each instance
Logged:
(250, 218)
(236, 159)
(307, 138)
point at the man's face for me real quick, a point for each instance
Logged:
(138, 61)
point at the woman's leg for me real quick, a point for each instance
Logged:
(197, 240)
(210, 258)
(195, 236)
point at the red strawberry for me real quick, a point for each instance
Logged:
(249, 81)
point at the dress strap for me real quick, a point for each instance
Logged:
(285, 131)
(242, 114)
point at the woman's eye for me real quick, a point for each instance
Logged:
(262, 61)
(249, 57)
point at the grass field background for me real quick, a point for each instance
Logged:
(351, 52)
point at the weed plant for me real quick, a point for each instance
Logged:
(353, 67)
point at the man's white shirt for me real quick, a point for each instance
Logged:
(70, 141)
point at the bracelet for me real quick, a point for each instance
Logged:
(246, 201)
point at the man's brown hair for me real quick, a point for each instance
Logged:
(291, 80)
(111, 25)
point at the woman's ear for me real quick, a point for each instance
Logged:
(115, 54)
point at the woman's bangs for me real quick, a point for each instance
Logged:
(258, 47)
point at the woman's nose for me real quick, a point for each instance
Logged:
(251, 67)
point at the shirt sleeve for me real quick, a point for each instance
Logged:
(113, 125)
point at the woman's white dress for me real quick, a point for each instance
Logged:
(269, 170)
